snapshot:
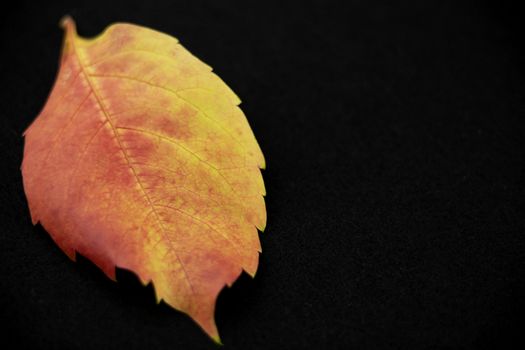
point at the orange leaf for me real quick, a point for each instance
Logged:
(141, 159)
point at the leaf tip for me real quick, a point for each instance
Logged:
(216, 339)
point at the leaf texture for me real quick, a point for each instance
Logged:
(141, 159)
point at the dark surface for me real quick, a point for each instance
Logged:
(394, 141)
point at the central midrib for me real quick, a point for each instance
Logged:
(135, 175)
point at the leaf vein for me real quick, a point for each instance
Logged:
(176, 93)
(167, 139)
(137, 179)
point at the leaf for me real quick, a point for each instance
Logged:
(142, 160)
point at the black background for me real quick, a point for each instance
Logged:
(393, 135)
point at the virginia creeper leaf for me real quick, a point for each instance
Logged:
(141, 159)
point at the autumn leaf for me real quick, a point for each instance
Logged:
(141, 159)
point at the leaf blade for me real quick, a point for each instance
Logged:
(153, 168)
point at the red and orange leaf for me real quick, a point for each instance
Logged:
(141, 159)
